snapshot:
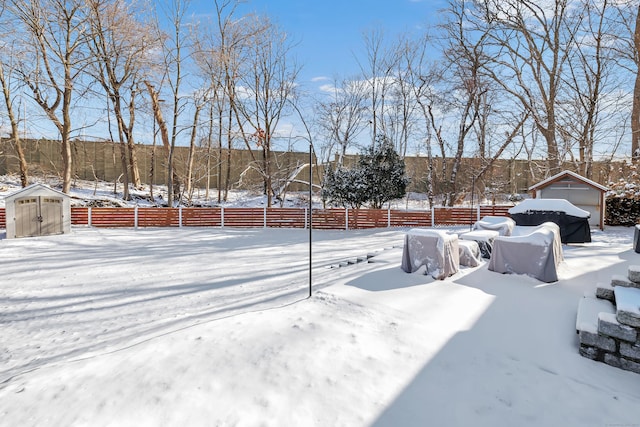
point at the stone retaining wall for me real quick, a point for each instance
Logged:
(613, 336)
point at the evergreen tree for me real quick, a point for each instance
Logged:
(378, 177)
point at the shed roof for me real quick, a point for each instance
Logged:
(32, 189)
(558, 177)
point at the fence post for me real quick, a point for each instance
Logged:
(433, 216)
(346, 218)
(179, 216)
(135, 217)
(222, 217)
(306, 218)
(89, 216)
(389, 217)
(264, 217)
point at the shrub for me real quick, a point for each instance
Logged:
(379, 176)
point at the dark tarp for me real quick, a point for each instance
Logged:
(636, 239)
(573, 229)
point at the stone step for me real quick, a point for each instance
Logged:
(608, 325)
(620, 280)
(634, 274)
(605, 291)
(628, 306)
(589, 309)
(592, 344)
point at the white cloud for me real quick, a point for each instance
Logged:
(320, 79)
(328, 88)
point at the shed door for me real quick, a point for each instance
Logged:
(51, 215)
(37, 216)
(27, 223)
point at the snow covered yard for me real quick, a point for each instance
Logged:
(164, 327)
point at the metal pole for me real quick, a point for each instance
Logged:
(310, 211)
(473, 187)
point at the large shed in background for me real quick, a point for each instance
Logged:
(580, 191)
(37, 210)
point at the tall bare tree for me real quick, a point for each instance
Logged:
(120, 44)
(377, 72)
(342, 117)
(219, 51)
(588, 75)
(635, 113)
(58, 34)
(176, 50)
(267, 80)
(10, 53)
(533, 41)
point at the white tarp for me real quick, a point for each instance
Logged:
(502, 224)
(534, 251)
(435, 249)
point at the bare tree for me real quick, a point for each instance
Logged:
(199, 103)
(57, 33)
(9, 61)
(404, 107)
(176, 51)
(342, 116)
(267, 81)
(377, 73)
(120, 45)
(623, 42)
(588, 70)
(532, 42)
(219, 59)
(462, 84)
(635, 112)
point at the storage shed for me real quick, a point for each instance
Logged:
(37, 210)
(580, 191)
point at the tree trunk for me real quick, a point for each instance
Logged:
(635, 112)
(192, 153)
(133, 155)
(15, 134)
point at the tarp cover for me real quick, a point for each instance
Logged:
(536, 254)
(555, 205)
(573, 229)
(502, 224)
(435, 249)
(470, 255)
(573, 221)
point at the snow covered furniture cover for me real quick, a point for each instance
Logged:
(502, 224)
(573, 221)
(534, 251)
(435, 249)
(484, 239)
(470, 255)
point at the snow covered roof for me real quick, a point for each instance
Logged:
(562, 174)
(34, 189)
(553, 205)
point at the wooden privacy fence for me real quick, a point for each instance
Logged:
(330, 219)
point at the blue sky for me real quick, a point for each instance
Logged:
(329, 32)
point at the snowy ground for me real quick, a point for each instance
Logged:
(212, 327)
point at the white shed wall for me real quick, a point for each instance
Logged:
(582, 196)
